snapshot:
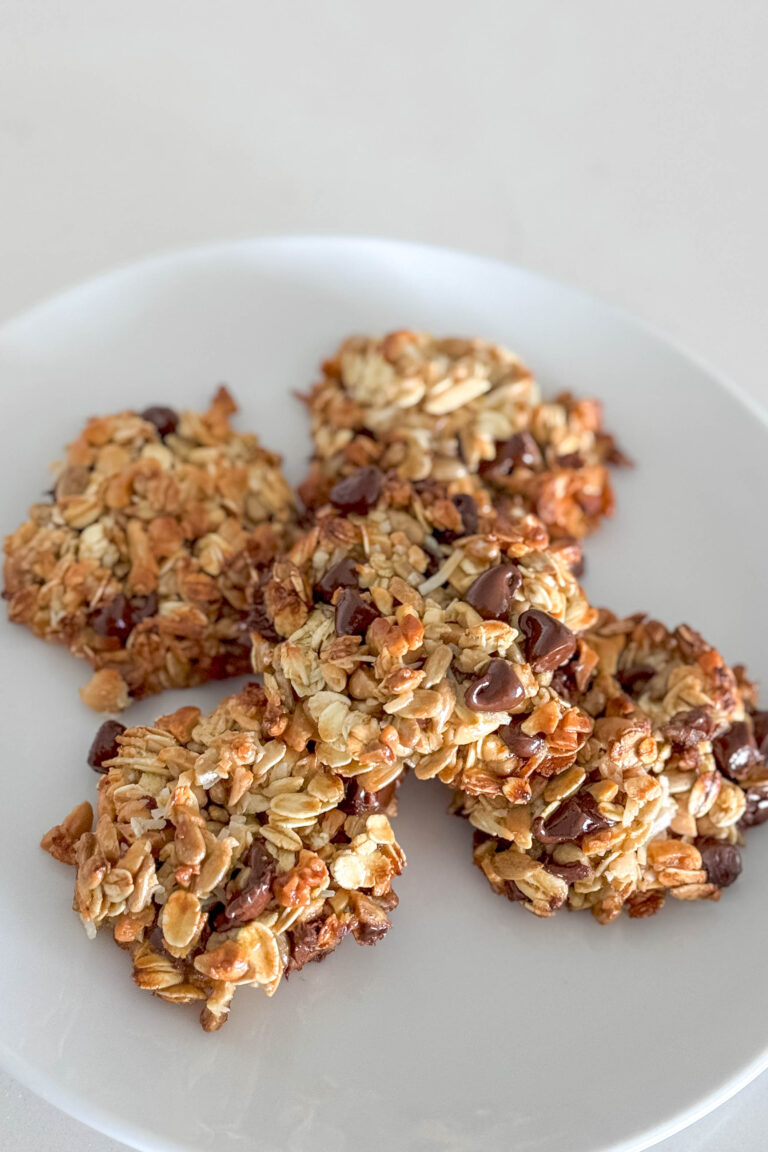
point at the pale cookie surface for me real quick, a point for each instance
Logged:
(461, 412)
(656, 799)
(145, 560)
(224, 855)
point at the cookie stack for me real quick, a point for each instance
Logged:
(418, 609)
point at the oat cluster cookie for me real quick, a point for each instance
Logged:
(224, 855)
(407, 647)
(145, 559)
(464, 412)
(655, 801)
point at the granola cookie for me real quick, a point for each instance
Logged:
(464, 412)
(407, 644)
(145, 558)
(224, 856)
(659, 795)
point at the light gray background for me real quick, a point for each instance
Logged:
(618, 146)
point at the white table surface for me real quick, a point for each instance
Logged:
(617, 146)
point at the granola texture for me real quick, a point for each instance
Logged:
(464, 412)
(657, 798)
(225, 856)
(406, 645)
(145, 560)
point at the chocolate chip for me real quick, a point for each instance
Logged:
(234, 661)
(514, 893)
(689, 728)
(164, 419)
(756, 811)
(569, 872)
(467, 509)
(304, 944)
(105, 746)
(357, 801)
(370, 934)
(548, 643)
(575, 818)
(253, 898)
(358, 492)
(519, 742)
(354, 615)
(258, 620)
(570, 460)
(634, 679)
(492, 593)
(113, 619)
(119, 616)
(720, 861)
(564, 684)
(760, 731)
(142, 607)
(520, 451)
(735, 750)
(497, 690)
(343, 574)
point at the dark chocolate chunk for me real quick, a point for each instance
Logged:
(253, 898)
(520, 451)
(633, 680)
(756, 811)
(689, 728)
(305, 947)
(164, 419)
(570, 460)
(514, 893)
(735, 750)
(492, 593)
(366, 933)
(569, 872)
(497, 690)
(721, 861)
(519, 742)
(358, 492)
(548, 643)
(354, 615)
(105, 746)
(575, 818)
(357, 801)
(113, 619)
(760, 731)
(258, 620)
(343, 574)
(119, 616)
(467, 509)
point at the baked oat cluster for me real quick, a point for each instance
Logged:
(423, 613)
(404, 647)
(658, 797)
(465, 412)
(224, 855)
(145, 558)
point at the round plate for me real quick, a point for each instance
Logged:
(473, 1025)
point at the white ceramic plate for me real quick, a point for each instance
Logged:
(473, 1025)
